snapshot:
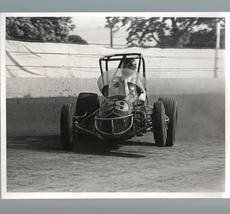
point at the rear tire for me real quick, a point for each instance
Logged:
(86, 104)
(66, 127)
(159, 126)
(171, 110)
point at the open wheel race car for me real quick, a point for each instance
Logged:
(124, 111)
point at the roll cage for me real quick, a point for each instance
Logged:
(104, 63)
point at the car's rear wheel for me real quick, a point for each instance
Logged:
(66, 127)
(87, 103)
(171, 110)
(159, 125)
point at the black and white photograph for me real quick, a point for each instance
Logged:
(120, 105)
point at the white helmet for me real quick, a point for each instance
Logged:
(129, 63)
(128, 68)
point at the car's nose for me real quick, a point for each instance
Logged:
(114, 117)
(114, 108)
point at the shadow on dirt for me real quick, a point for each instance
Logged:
(52, 144)
(137, 143)
(34, 143)
(104, 149)
(107, 152)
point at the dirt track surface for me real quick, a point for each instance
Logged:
(36, 162)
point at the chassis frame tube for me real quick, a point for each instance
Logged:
(123, 137)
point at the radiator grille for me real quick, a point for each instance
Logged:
(114, 126)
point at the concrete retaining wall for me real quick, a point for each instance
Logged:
(64, 87)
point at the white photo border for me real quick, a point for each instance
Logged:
(117, 195)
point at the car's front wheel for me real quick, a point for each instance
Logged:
(171, 110)
(159, 124)
(66, 127)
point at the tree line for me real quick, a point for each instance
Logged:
(169, 31)
(42, 29)
(161, 32)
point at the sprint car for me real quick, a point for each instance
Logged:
(124, 111)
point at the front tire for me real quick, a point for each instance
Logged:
(171, 110)
(159, 126)
(66, 127)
